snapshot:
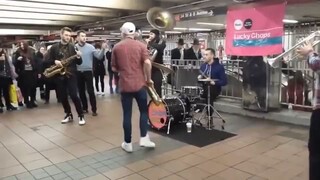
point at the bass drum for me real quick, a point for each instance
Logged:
(172, 107)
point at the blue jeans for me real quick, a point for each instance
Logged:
(126, 100)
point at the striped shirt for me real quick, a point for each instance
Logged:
(314, 64)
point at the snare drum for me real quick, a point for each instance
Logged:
(193, 91)
(174, 107)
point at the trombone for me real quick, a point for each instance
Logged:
(275, 61)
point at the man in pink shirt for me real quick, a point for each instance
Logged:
(130, 58)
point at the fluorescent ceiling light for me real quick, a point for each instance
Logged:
(50, 6)
(110, 4)
(178, 28)
(115, 34)
(56, 11)
(192, 29)
(289, 21)
(45, 16)
(35, 22)
(173, 32)
(23, 32)
(102, 35)
(210, 24)
(199, 29)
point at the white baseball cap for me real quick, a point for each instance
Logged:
(128, 28)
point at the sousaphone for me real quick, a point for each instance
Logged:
(161, 19)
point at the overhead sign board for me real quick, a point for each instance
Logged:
(194, 15)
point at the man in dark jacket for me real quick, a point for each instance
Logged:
(193, 53)
(67, 84)
(178, 53)
(215, 72)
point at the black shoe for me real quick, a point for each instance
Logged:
(67, 118)
(94, 114)
(29, 105)
(1, 110)
(20, 104)
(33, 104)
(11, 108)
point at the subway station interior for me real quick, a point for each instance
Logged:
(213, 89)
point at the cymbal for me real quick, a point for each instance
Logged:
(162, 67)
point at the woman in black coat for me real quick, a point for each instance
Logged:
(99, 71)
(28, 71)
(112, 75)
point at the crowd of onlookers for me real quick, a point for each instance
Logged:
(21, 74)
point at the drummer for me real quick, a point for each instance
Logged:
(213, 74)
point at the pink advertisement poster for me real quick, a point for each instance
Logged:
(255, 30)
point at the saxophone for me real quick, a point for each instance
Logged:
(153, 94)
(55, 69)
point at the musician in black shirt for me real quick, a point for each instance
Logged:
(67, 83)
(156, 42)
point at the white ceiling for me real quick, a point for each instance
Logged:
(53, 14)
(293, 12)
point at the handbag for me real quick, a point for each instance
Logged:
(13, 94)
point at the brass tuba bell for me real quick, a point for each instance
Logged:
(161, 19)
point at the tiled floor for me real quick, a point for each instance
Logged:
(34, 145)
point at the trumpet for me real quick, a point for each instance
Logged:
(274, 62)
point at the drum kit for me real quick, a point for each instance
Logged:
(182, 107)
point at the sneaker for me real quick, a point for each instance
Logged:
(146, 142)
(127, 147)
(67, 118)
(81, 121)
(98, 93)
(11, 108)
(94, 114)
(102, 93)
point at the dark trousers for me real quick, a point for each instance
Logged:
(314, 146)
(4, 91)
(69, 86)
(98, 77)
(28, 86)
(126, 100)
(156, 77)
(49, 85)
(115, 76)
(85, 82)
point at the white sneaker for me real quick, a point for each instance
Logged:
(146, 142)
(127, 147)
(81, 121)
(102, 93)
(67, 118)
(98, 93)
